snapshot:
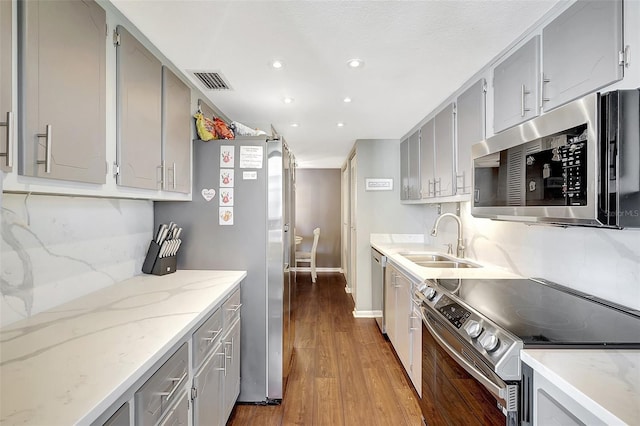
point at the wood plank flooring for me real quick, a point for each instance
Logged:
(343, 370)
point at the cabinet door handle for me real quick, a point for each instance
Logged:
(47, 159)
(464, 182)
(9, 153)
(543, 82)
(224, 357)
(235, 308)
(523, 108)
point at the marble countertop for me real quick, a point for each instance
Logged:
(393, 245)
(605, 382)
(69, 364)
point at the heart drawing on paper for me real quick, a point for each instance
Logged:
(208, 194)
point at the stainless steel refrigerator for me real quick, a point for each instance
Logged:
(246, 225)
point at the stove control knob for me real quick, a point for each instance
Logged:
(489, 342)
(473, 328)
(430, 293)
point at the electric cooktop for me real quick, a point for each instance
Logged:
(545, 314)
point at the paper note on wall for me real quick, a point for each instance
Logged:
(227, 159)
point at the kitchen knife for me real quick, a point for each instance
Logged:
(161, 230)
(178, 246)
(178, 233)
(163, 249)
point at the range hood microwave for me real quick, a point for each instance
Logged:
(576, 165)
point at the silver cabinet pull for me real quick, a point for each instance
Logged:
(177, 382)
(175, 175)
(224, 366)
(9, 153)
(523, 108)
(437, 192)
(235, 308)
(214, 334)
(464, 182)
(543, 82)
(47, 160)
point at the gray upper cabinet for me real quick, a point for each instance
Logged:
(581, 51)
(6, 92)
(470, 121)
(404, 169)
(414, 166)
(427, 159)
(62, 51)
(444, 144)
(515, 86)
(176, 133)
(139, 100)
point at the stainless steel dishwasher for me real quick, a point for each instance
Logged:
(378, 265)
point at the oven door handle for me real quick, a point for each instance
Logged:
(499, 390)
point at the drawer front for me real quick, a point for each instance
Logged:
(161, 390)
(205, 338)
(120, 417)
(179, 414)
(231, 309)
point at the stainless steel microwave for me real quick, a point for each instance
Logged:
(578, 164)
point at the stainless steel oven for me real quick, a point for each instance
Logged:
(473, 332)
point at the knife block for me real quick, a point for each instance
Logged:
(158, 265)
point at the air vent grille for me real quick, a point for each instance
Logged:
(212, 80)
(515, 177)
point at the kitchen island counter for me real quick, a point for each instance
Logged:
(606, 383)
(69, 364)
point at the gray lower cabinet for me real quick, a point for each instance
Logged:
(427, 159)
(581, 50)
(516, 86)
(470, 122)
(176, 133)
(139, 113)
(207, 382)
(7, 142)
(62, 90)
(444, 152)
(120, 417)
(179, 414)
(159, 394)
(404, 169)
(231, 387)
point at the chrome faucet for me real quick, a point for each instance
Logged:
(434, 232)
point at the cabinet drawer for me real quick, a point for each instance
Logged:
(120, 417)
(231, 309)
(159, 392)
(205, 337)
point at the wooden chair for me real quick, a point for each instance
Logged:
(310, 256)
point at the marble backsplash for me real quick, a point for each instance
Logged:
(57, 248)
(601, 262)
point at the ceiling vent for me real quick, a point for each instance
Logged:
(211, 80)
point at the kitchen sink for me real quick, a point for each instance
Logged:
(447, 264)
(427, 257)
(437, 260)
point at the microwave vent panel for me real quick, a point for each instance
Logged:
(515, 176)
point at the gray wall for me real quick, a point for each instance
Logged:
(380, 212)
(318, 205)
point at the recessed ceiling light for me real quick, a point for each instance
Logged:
(355, 63)
(287, 100)
(294, 124)
(277, 64)
(340, 124)
(346, 100)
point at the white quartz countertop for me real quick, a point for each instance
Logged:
(605, 382)
(69, 364)
(392, 250)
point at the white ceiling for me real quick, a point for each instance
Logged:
(416, 54)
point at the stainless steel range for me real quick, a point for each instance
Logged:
(473, 331)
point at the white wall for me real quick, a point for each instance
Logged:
(55, 248)
(601, 262)
(380, 212)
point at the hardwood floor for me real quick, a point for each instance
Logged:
(343, 370)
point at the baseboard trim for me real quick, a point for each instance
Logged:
(366, 314)
(308, 269)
